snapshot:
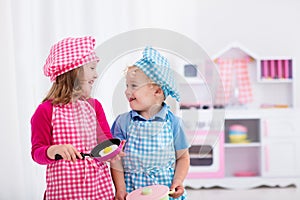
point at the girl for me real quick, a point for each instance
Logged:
(68, 122)
(156, 147)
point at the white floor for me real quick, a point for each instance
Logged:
(289, 193)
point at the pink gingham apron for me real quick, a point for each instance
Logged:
(75, 123)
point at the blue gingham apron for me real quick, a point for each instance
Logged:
(150, 154)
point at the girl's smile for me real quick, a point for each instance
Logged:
(88, 78)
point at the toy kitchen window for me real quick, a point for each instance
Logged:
(201, 155)
(190, 70)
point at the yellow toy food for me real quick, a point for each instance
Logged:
(108, 150)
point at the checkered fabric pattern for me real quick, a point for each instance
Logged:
(243, 79)
(150, 155)
(75, 124)
(69, 54)
(230, 69)
(157, 68)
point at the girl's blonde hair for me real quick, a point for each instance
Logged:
(65, 88)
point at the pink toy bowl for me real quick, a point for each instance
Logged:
(245, 173)
(238, 128)
(153, 192)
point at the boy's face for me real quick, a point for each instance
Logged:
(88, 78)
(140, 91)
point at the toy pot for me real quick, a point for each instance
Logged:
(153, 192)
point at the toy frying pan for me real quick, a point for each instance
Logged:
(103, 151)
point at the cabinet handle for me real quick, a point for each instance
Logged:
(266, 128)
(267, 159)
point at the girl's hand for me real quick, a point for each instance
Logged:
(67, 152)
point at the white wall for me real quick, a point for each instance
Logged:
(29, 28)
(12, 172)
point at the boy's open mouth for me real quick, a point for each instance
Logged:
(131, 99)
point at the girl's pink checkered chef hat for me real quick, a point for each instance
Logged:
(69, 54)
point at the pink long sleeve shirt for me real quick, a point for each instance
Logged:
(41, 129)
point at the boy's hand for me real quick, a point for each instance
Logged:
(121, 195)
(121, 154)
(177, 190)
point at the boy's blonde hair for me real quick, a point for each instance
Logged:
(137, 69)
(133, 70)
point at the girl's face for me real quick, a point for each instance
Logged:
(88, 78)
(143, 95)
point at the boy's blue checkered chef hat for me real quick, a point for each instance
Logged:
(157, 68)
